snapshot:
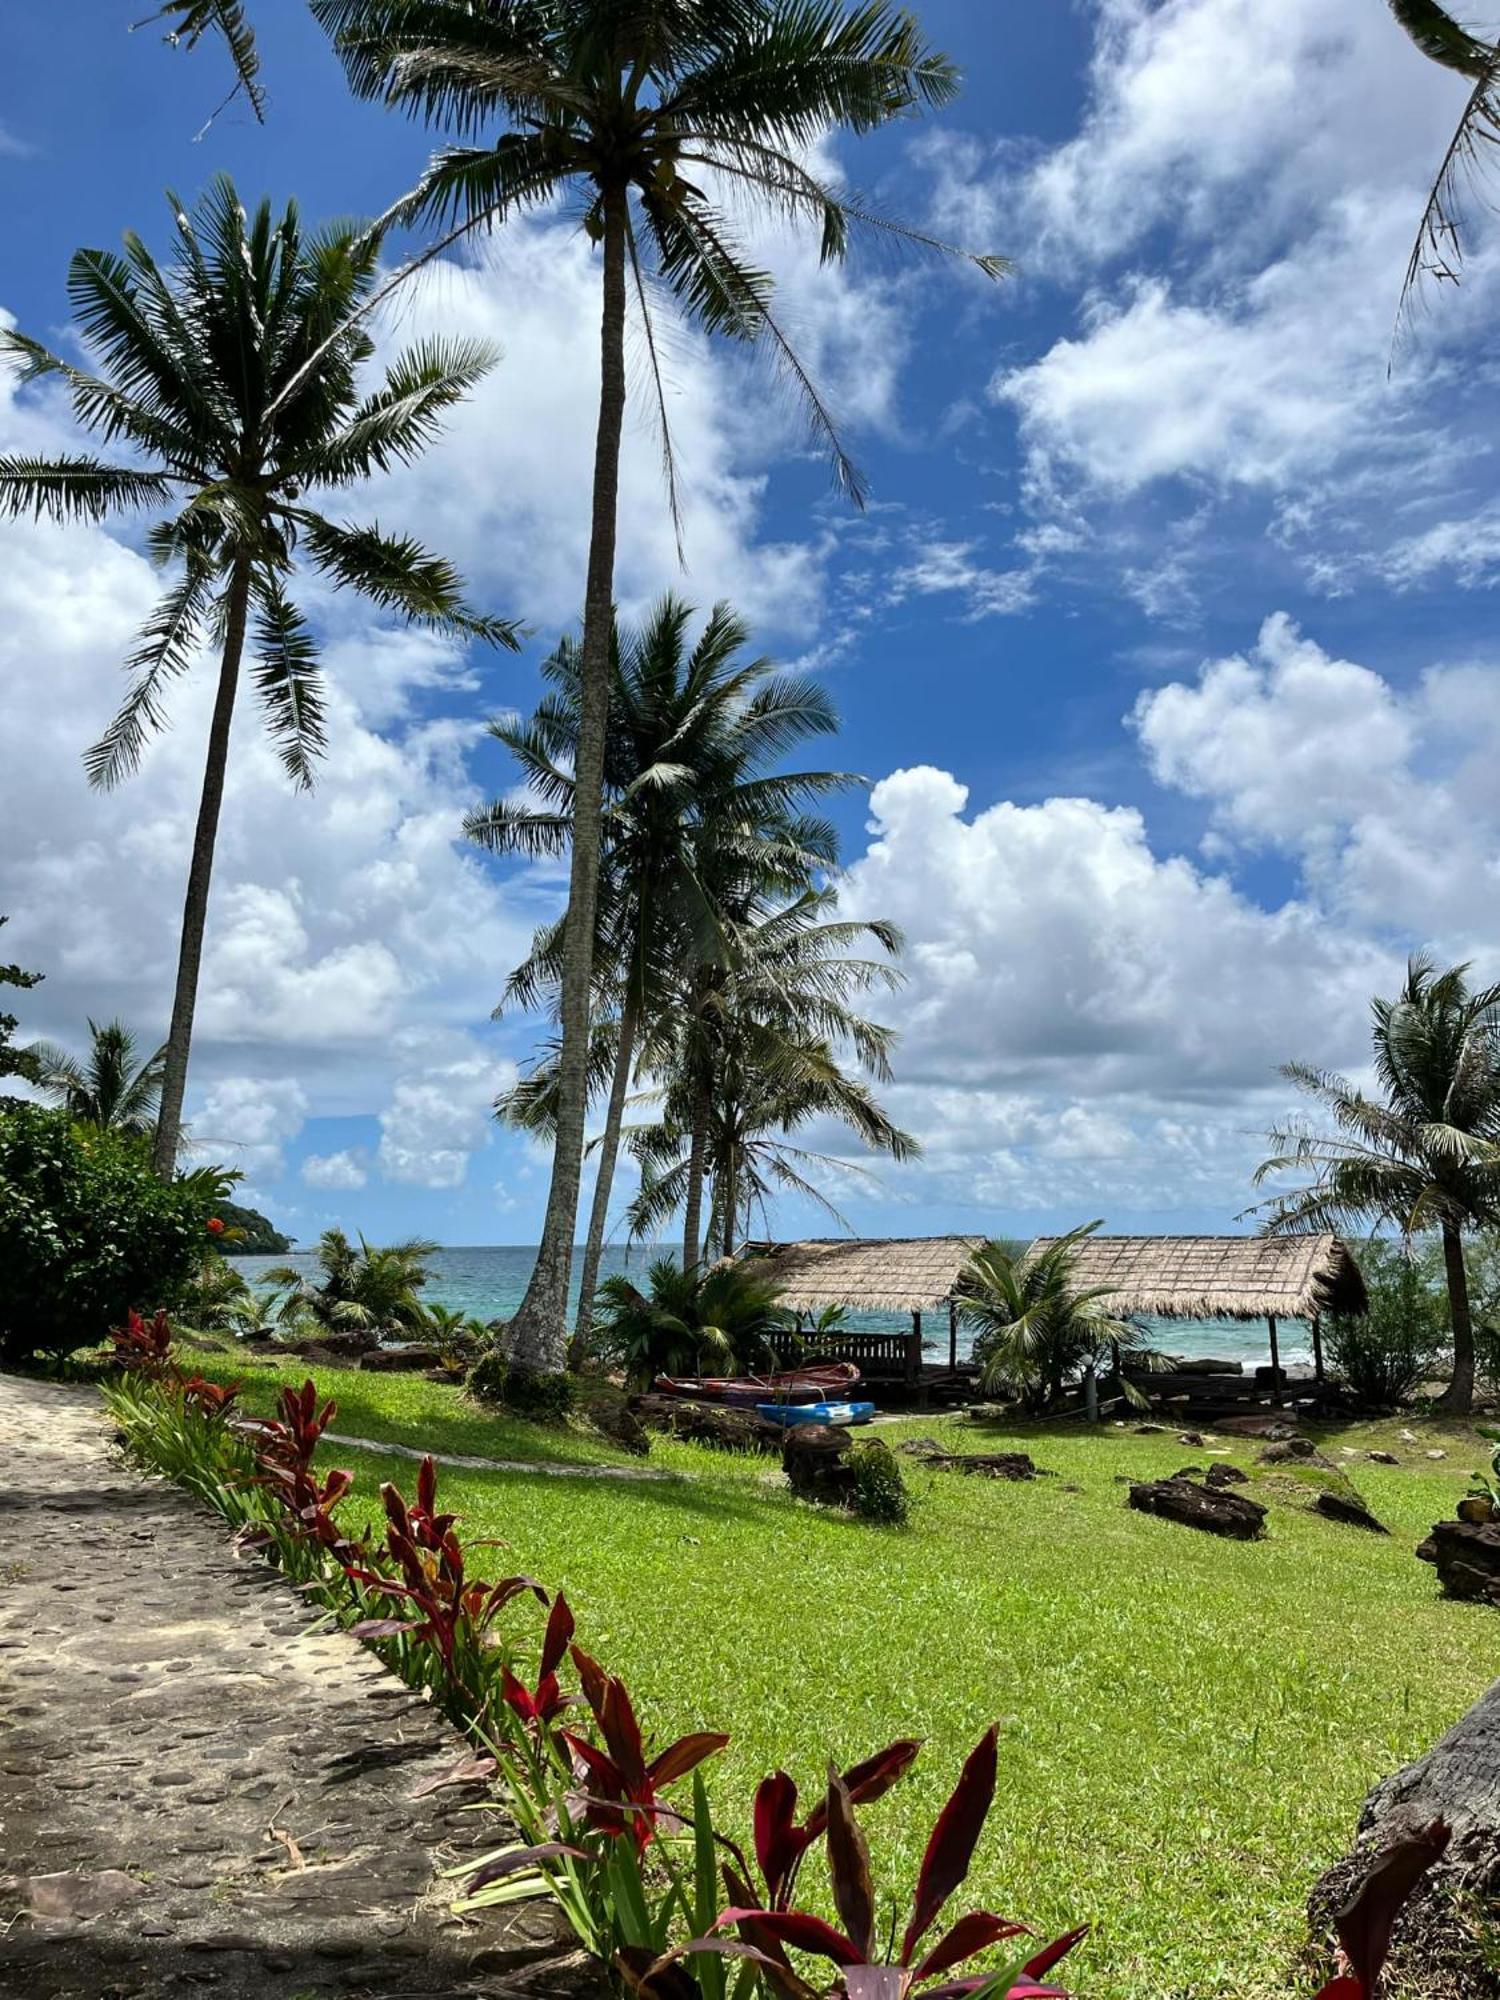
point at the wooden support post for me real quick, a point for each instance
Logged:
(953, 1335)
(1275, 1362)
(914, 1352)
(1317, 1337)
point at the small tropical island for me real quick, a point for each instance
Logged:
(720, 1597)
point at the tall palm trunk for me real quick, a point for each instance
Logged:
(200, 873)
(539, 1334)
(609, 1152)
(731, 1201)
(692, 1212)
(1458, 1398)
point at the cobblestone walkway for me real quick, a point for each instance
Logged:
(201, 1790)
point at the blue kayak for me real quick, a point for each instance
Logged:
(816, 1413)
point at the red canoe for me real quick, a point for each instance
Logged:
(819, 1382)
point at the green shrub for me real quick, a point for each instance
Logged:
(486, 1379)
(87, 1231)
(1383, 1354)
(541, 1399)
(879, 1490)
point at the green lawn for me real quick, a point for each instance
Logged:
(1189, 1725)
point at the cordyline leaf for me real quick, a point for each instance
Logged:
(518, 1859)
(875, 1982)
(467, 1771)
(849, 1871)
(1365, 1923)
(796, 1927)
(383, 1628)
(869, 1780)
(778, 1840)
(652, 1978)
(684, 1755)
(1044, 1960)
(954, 1838)
(559, 1633)
(1345, 1987)
(973, 1933)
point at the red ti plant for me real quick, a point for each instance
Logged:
(214, 1399)
(768, 1930)
(1365, 1923)
(144, 1346)
(624, 1786)
(428, 1574)
(284, 1451)
(781, 1843)
(536, 1709)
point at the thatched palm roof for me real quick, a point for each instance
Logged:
(1221, 1277)
(910, 1274)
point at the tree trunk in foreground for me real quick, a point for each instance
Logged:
(1438, 1952)
(1458, 1398)
(200, 873)
(539, 1331)
(609, 1152)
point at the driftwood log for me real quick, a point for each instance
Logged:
(982, 1464)
(1444, 1940)
(1212, 1508)
(708, 1423)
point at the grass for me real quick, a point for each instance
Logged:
(1189, 1725)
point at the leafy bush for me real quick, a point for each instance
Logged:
(1383, 1354)
(541, 1399)
(87, 1231)
(879, 1490)
(486, 1379)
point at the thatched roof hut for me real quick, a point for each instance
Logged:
(901, 1274)
(1222, 1277)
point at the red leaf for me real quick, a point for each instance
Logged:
(954, 1838)
(383, 1628)
(1345, 1987)
(523, 1857)
(875, 1982)
(1365, 1923)
(975, 1932)
(797, 1927)
(622, 1732)
(683, 1756)
(559, 1632)
(868, 1781)
(1053, 1953)
(427, 1485)
(849, 1871)
(777, 1840)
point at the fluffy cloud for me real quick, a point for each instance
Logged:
(245, 1122)
(1239, 201)
(1385, 798)
(335, 1170)
(437, 1117)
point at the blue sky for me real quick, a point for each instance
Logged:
(1166, 643)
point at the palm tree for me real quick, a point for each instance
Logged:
(1037, 1328)
(374, 1287)
(113, 1087)
(640, 112)
(197, 363)
(1427, 1156)
(723, 1318)
(191, 20)
(691, 817)
(1438, 251)
(755, 1059)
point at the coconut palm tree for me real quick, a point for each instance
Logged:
(373, 1287)
(1438, 252)
(646, 116)
(196, 363)
(754, 1058)
(694, 821)
(1037, 1329)
(190, 20)
(1425, 1155)
(690, 1320)
(114, 1086)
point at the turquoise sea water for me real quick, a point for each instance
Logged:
(489, 1280)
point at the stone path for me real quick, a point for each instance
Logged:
(648, 1473)
(202, 1791)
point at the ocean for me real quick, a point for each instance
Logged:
(489, 1281)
